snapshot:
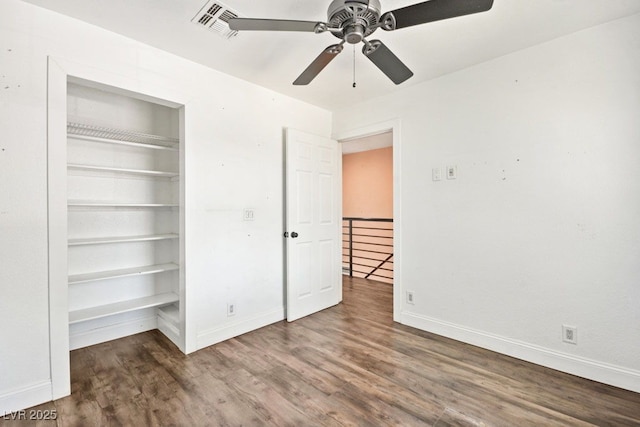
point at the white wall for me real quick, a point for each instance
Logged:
(541, 226)
(234, 137)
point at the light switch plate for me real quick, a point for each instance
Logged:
(452, 172)
(248, 214)
(436, 174)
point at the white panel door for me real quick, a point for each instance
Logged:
(313, 225)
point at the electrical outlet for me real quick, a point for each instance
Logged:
(570, 334)
(231, 309)
(410, 299)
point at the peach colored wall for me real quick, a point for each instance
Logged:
(367, 184)
(367, 192)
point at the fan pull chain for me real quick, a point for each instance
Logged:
(354, 65)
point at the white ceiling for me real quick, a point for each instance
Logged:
(275, 59)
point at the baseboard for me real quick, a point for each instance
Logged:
(169, 330)
(593, 370)
(25, 397)
(234, 329)
(105, 333)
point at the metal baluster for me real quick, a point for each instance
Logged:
(350, 248)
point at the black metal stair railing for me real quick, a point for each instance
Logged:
(367, 248)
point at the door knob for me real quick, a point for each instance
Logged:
(294, 234)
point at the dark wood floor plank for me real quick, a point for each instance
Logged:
(349, 365)
(325, 382)
(497, 376)
(374, 411)
(265, 401)
(321, 408)
(223, 405)
(445, 379)
(377, 389)
(451, 418)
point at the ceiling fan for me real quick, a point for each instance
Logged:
(353, 20)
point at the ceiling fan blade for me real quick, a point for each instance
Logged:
(250, 24)
(435, 10)
(388, 63)
(318, 65)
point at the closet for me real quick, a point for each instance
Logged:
(124, 216)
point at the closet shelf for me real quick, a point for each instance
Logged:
(121, 239)
(122, 307)
(124, 213)
(124, 272)
(94, 204)
(121, 137)
(152, 173)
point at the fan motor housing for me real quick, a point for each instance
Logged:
(354, 30)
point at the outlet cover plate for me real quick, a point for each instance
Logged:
(410, 298)
(231, 309)
(570, 334)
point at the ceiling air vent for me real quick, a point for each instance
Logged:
(215, 16)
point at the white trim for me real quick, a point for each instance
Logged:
(59, 72)
(25, 397)
(169, 329)
(57, 230)
(367, 143)
(112, 332)
(375, 129)
(597, 371)
(187, 319)
(231, 330)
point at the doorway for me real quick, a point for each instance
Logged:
(367, 207)
(393, 129)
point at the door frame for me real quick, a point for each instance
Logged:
(59, 73)
(392, 126)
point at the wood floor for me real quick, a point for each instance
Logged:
(348, 365)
